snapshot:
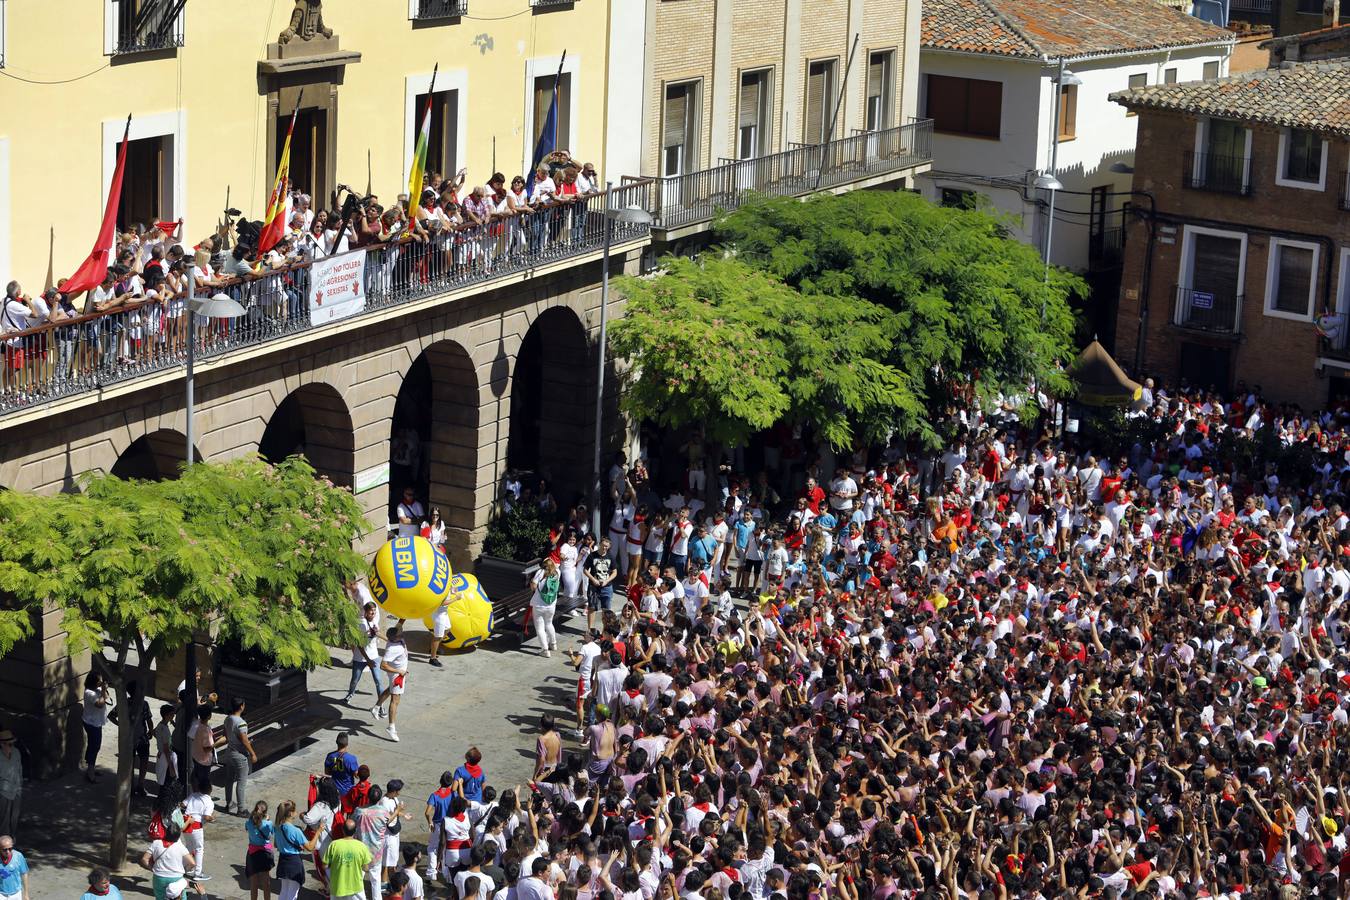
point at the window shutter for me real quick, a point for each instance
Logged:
(749, 102)
(677, 114)
(815, 105)
(876, 75)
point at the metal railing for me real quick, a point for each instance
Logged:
(89, 352)
(802, 169)
(545, 4)
(1106, 248)
(1218, 173)
(1264, 7)
(144, 25)
(1215, 311)
(441, 9)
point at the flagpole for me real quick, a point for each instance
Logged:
(557, 83)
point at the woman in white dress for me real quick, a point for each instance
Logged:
(567, 567)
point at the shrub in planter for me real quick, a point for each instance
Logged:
(519, 534)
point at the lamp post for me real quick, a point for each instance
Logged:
(629, 215)
(219, 306)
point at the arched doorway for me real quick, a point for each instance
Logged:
(433, 440)
(313, 422)
(157, 456)
(553, 405)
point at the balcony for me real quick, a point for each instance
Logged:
(693, 199)
(1212, 311)
(1106, 248)
(1252, 7)
(91, 352)
(428, 10)
(551, 4)
(143, 26)
(1218, 174)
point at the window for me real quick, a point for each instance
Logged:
(680, 128)
(1068, 112)
(137, 26)
(1170, 76)
(543, 96)
(147, 182)
(880, 89)
(753, 116)
(1303, 160)
(437, 9)
(819, 101)
(956, 198)
(1137, 81)
(967, 106)
(1290, 278)
(442, 142)
(1211, 71)
(1209, 287)
(1222, 160)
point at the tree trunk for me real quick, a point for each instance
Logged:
(126, 762)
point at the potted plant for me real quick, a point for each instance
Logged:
(514, 542)
(254, 676)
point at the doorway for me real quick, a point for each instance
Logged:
(147, 183)
(309, 153)
(1207, 367)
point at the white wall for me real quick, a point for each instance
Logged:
(1104, 135)
(624, 103)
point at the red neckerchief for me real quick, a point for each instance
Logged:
(732, 874)
(444, 792)
(475, 771)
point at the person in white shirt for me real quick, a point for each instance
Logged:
(395, 663)
(535, 887)
(842, 491)
(410, 513)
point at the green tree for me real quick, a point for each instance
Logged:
(715, 343)
(967, 301)
(263, 551)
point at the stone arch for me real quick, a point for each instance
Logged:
(553, 404)
(154, 456)
(313, 421)
(434, 440)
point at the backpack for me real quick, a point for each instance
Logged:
(156, 828)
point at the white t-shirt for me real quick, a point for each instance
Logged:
(170, 861)
(413, 512)
(588, 653)
(396, 657)
(414, 890)
(680, 540)
(845, 485)
(485, 883)
(199, 806)
(93, 714)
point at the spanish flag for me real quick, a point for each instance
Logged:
(417, 169)
(279, 204)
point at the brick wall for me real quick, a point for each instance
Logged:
(1278, 353)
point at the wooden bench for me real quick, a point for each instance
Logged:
(508, 613)
(293, 721)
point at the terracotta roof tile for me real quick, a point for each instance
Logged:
(1059, 28)
(1313, 95)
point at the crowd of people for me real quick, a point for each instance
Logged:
(54, 342)
(1108, 664)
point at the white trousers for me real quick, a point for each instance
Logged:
(543, 626)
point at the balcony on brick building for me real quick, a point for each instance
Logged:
(1214, 311)
(1218, 173)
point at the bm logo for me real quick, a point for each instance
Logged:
(405, 563)
(440, 574)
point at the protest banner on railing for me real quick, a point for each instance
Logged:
(337, 287)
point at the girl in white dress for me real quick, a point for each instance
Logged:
(567, 568)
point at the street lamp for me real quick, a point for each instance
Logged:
(219, 306)
(628, 215)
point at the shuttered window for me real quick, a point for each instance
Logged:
(1292, 290)
(679, 129)
(819, 89)
(966, 106)
(880, 89)
(1068, 112)
(1215, 262)
(752, 114)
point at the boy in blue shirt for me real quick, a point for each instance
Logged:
(471, 777)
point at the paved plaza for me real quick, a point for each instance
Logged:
(491, 698)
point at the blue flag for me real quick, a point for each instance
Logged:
(548, 138)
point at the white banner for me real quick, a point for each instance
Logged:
(337, 287)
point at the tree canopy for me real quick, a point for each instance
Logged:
(859, 313)
(716, 342)
(262, 551)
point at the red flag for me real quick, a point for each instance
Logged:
(91, 272)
